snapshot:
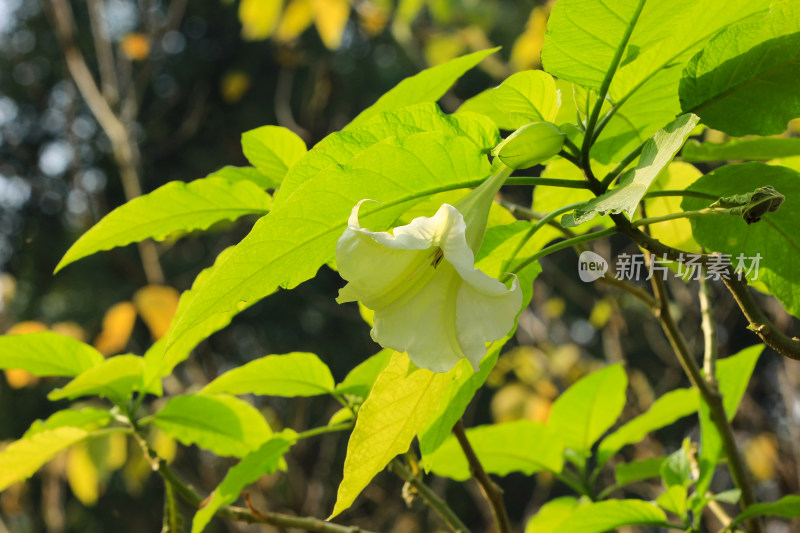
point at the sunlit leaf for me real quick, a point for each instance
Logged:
(401, 400)
(529, 96)
(756, 148)
(330, 17)
(599, 517)
(290, 375)
(156, 305)
(116, 378)
(551, 515)
(21, 459)
(272, 150)
(174, 207)
(47, 354)
(259, 18)
(118, 324)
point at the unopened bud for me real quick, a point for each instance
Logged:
(530, 145)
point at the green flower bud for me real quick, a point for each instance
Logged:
(530, 145)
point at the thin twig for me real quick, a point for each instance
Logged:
(709, 331)
(710, 396)
(491, 491)
(431, 498)
(105, 54)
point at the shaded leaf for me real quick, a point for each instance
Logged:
(744, 82)
(757, 148)
(220, 423)
(786, 507)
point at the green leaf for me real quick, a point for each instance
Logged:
(521, 446)
(786, 507)
(551, 515)
(21, 459)
(583, 36)
(674, 500)
(589, 407)
(528, 96)
(483, 104)
(634, 471)
(47, 354)
(340, 147)
(272, 150)
(754, 148)
(158, 364)
(744, 82)
(774, 238)
(290, 375)
(175, 207)
(359, 380)
(604, 516)
(116, 378)
(427, 86)
(672, 406)
(676, 469)
(733, 375)
(264, 460)
(633, 184)
(287, 246)
(220, 423)
(678, 232)
(87, 418)
(234, 174)
(401, 400)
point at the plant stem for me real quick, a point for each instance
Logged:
(617, 170)
(548, 182)
(709, 332)
(491, 491)
(560, 246)
(710, 396)
(344, 426)
(534, 228)
(682, 214)
(431, 498)
(669, 192)
(589, 138)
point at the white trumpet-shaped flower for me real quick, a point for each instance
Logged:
(420, 280)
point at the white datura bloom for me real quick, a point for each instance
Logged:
(420, 280)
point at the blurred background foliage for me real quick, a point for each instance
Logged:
(165, 90)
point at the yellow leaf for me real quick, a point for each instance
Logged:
(28, 326)
(330, 17)
(157, 305)
(8, 289)
(69, 329)
(676, 233)
(82, 474)
(234, 85)
(259, 18)
(297, 17)
(761, 453)
(164, 445)
(373, 17)
(443, 47)
(117, 328)
(527, 50)
(136, 46)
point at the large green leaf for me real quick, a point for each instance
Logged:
(287, 246)
(290, 375)
(47, 354)
(402, 399)
(786, 507)
(744, 82)
(427, 86)
(21, 459)
(775, 238)
(588, 408)
(664, 411)
(528, 96)
(340, 147)
(584, 35)
(551, 515)
(116, 378)
(733, 375)
(520, 446)
(754, 148)
(272, 150)
(175, 207)
(220, 423)
(633, 184)
(264, 460)
(599, 517)
(234, 174)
